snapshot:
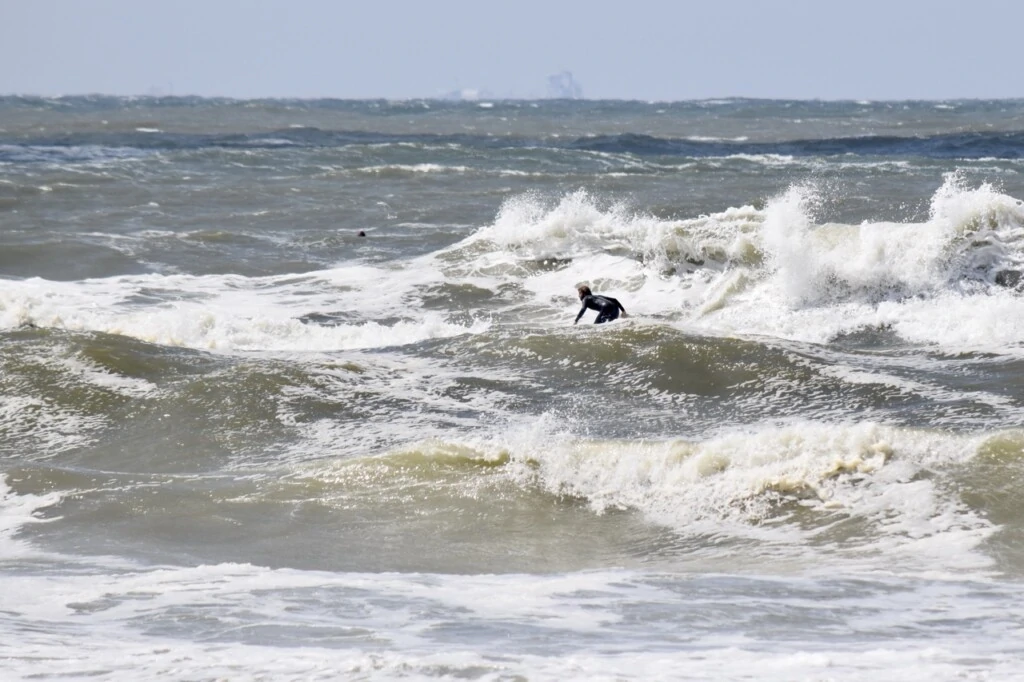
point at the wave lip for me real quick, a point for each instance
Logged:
(806, 493)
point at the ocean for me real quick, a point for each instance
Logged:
(291, 390)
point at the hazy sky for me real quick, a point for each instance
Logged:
(633, 49)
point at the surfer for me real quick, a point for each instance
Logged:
(607, 307)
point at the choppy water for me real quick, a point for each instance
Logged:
(239, 440)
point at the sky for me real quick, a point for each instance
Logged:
(626, 49)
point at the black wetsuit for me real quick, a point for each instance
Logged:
(607, 308)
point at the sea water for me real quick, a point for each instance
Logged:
(291, 390)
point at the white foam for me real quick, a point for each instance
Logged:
(425, 168)
(46, 428)
(613, 248)
(233, 313)
(90, 372)
(90, 155)
(705, 138)
(528, 226)
(931, 282)
(37, 426)
(908, 386)
(775, 160)
(768, 272)
(244, 622)
(17, 511)
(771, 272)
(733, 484)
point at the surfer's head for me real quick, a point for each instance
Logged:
(583, 291)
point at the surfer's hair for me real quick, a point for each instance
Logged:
(584, 290)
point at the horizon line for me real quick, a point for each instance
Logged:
(485, 99)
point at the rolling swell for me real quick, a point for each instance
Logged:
(967, 145)
(806, 433)
(672, 381)
(527, 501)
(132, 405)
(949, 146)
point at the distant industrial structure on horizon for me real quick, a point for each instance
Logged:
(564, 86)
(561, 85)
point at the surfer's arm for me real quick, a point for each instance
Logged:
(616, 302)
(580, 313)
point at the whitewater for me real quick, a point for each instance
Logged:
(290, 389)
